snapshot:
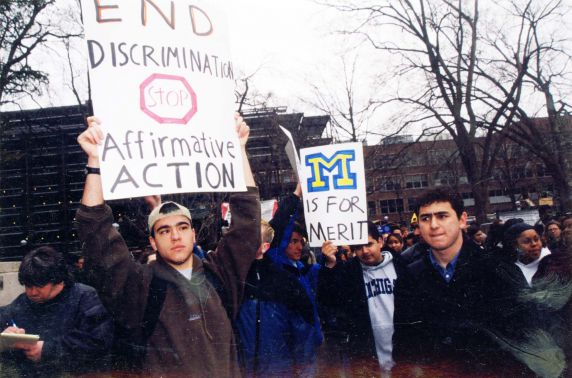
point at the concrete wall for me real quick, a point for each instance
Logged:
(10, 288)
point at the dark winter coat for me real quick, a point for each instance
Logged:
(192, 335)
(283, 224)
(274, 322)
(76, 329)
(434, 319)
(341, 292)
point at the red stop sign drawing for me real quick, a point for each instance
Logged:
(167, 98)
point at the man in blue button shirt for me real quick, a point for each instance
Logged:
(445, 302)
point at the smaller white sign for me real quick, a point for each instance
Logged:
(333, 186)
(290, 150)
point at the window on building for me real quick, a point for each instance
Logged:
(412, 203)
(417, 181)
(388, 184)
(391, 206)
(497, 192)
(369, 182)
(467, 195)
(385, 161)
(542, 171)
(518, 173)
(445, 179)
(499, 174)
(371, 210)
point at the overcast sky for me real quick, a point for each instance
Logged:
(287, 44)
(284, 43)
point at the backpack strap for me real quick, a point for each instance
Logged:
(155, 300)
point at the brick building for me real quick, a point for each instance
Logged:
(398, 171)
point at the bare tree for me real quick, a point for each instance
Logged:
(25, 26)
(247, 96)
(348, 117)
(541, 55)
(442, 76)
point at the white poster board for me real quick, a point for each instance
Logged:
(333, 186)
(162, 83)
(290, 150)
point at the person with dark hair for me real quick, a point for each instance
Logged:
(442, 306)
(567, 222)
(274, 320)
(476, 235)
(409, 240)
(394, 244)
(540, 284)
(175, 313)
(286, 253)
(360, 292)
(553, 235)
(75, 329)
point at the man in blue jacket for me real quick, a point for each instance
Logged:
(286, 252)
(75, 330)
(275, 319)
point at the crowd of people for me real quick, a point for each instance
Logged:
(437, 296)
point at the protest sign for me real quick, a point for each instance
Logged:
(333, 186)
(162, 84)
(268, 209)
(290, 150)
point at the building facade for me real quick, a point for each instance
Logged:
(399, 170)
(42, 176)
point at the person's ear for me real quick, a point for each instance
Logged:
(265, 246)
(152, 242)
(463, 220)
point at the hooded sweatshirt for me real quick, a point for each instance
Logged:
(529, 270)
(193, 334)
(379, 282)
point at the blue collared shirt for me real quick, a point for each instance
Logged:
(448, 271)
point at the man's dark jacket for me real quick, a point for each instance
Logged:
(434, 319)
(274, 321)
(192, 334)
(341, 293)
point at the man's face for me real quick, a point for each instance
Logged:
(480, 237)
(174, 239)
(553, 231)
(294, 248)
(40, 294)
(441, 228)
(370, 254)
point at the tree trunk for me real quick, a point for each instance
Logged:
(481, 194)
(564, 180)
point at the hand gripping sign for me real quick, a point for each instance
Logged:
(162, 85)
(333, 186)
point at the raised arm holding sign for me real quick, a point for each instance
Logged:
(177, 311)
(167, 114)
